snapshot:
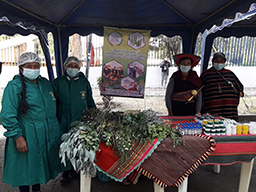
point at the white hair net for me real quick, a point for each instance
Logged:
(29, 57)
(71, 59)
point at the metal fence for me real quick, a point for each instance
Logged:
(238, 51)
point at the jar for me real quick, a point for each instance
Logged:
(228, 130)
(252, 129)
(245, 129)
(233, 129)
(239, 129)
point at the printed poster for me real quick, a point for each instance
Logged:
(125, 53)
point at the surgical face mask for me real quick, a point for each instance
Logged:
(185, 68)
(72, 72)
(218, 66)
(31, 74)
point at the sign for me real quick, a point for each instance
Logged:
(125, 53)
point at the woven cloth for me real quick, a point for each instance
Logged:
(112, 166)
(174, 120)
(233, 149)
(169, 165)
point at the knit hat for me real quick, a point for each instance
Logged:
(195, 59)
(28, 57)
(71, 59)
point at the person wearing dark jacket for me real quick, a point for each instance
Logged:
(165, 71)
(74, 96)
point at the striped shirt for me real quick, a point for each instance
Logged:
(219, 98)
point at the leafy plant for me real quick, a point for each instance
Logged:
(79, 146)
(118, 129)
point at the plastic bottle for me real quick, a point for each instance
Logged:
(239, 129)
(233, 129)
(228, 130)
(245, 129)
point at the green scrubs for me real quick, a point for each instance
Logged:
(39, 127)
(73, 98)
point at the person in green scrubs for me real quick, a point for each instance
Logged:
(74, 96)
(33, 131)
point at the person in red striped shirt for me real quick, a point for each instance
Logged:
(222, 89)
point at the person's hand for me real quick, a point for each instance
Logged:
(241, 94)
(21, 144)
(170, 112)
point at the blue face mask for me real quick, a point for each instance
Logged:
(31, 74)
(185, 68)
(72, 72)
(218, 66)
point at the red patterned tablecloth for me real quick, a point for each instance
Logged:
(170, 165)
(166, 164)
(233, 149)
(229, 149)
(108, 163)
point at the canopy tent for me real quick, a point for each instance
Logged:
(246, 29)
(169, 17)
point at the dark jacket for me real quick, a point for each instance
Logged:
(165, 67)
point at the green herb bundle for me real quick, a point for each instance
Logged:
(118, 129)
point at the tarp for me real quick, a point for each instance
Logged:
(169, 17)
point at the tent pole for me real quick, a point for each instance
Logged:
(193, 41)
(205, 34)
(61, 62)
(43, 38)
(88, 59)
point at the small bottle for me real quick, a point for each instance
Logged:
(252, 129)
(182, 131)
(199, 128)
(233, 129)
(189, 130)
(239, 129)
(228, 130)
(223, 131)
(245, 129)
(196, 130)
(207, 130)
(185, 130)
(193, 130)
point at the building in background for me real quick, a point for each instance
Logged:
(12, 47)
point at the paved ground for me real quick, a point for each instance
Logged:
(202, 180)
